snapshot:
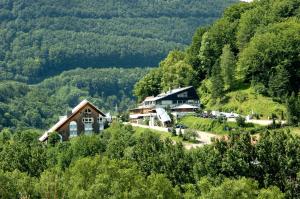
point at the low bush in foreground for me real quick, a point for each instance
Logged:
(118, 163)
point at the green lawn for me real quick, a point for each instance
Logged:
(213, 126)
(247, 100)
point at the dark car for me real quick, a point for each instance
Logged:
(203, 115)
(181, 126)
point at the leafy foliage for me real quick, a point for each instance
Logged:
(253, 44)
(293, 109)
(218, 126)
(151, 85)
(42, 38)
(39, 106)
(241, 121)
(120, 163)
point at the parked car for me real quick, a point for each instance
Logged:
(181, 126)
(230, 115)
(205, 115)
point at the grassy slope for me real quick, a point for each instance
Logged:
(213, 126)
(245, 101)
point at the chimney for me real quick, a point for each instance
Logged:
(69, 112)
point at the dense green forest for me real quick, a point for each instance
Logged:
(119, 163)
(253, 47)
(251, 52)
(40, 38)
(40, 105)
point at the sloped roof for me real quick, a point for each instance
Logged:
(65, 119)
(168, 93)
(150, 98)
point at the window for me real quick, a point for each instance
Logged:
(88, 128)
(193, 102)
(167, 102)
(101, 121)
(87, 111)
(73, 129)
(88, 125)
(183, 95)
(88, 120)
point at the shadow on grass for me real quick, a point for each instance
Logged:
(240, 86)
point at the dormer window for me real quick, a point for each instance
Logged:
(88, 111)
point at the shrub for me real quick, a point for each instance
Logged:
(54, 138)
(260, 89)
(146, 121)
(241, 121)
(190, 136)
(221, 119)
(241, 97)
(173, 131)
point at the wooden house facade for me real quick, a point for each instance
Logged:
(85, 118)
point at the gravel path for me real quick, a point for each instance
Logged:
(204, 137)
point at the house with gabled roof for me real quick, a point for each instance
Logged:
(85, 118)
(179, 101)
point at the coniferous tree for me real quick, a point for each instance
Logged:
(227, 63)
(293, 112)
(217, 83)
(279, 83)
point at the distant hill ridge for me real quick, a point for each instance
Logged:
(40, 38)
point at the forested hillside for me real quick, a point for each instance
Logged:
(253, 51)
(249, 57)
(40, 38)
(119, 163)
(39, 106)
